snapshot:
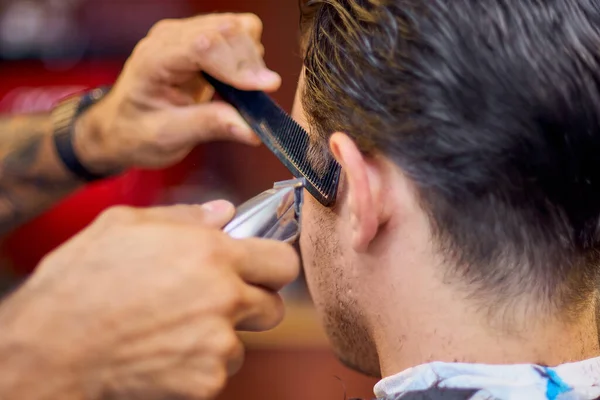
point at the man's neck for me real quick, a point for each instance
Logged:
(438, 324)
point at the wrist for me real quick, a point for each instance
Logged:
(91, 141)
(81, 138)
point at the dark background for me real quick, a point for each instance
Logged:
(51, 48)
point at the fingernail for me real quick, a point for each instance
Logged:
(240, 129)
(268, 77)
(218, 206)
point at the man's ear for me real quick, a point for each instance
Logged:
(364, 190)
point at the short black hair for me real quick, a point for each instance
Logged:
(492, 108)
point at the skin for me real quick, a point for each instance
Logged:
(144, 303)
(378, 283)
(116, 314)
(157, 111)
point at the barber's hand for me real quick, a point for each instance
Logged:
(144, 304)
(158, 111)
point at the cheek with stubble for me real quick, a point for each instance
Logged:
(318, 247)
(328, 274)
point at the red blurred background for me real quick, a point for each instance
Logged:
(51, 48)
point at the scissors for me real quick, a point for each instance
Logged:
(273, 214)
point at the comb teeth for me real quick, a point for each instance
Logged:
(284, 137)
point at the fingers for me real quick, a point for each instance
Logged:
(235, 358)
(267, 263)
(214, 214)
(252, 24)
(254, 270)
(264, 267)
(264, 310)
(202, 372)
(226, 46)
(263, 263)
(219, 55)
(204, 92)
(206, 122)
(205, 380)
(248, 55)
(197, 89)
(242, 35)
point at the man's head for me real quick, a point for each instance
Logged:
(469, 136)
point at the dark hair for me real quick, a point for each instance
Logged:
(492, 108)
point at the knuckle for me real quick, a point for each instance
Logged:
(215, 249)
(253, 22)
(236, 254)
(140, 53)
(139, 47)
(232, 28)
(223, 251)
(290, 263)
(226, 345)
(158, 73)
(209, 40)
(231, 297)
(216, 383)
(161, 26)
(164, 139)
(276, 312)
(221, 116)
(117, 214)
(266, 312)
(236, 362)
(218, 254)
(229, 18)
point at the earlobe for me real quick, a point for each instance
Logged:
(363, 189)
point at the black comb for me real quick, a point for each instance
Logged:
(284, 137)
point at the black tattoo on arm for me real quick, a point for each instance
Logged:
(22, 158)
(32, 177)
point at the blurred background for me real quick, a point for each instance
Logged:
(52, 48)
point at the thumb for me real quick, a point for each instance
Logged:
(206, 122)
(214, 214)
(217, 213)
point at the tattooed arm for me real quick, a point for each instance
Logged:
(32, 177)
(84, 325)
(156, 112)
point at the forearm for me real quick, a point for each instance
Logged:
(32, 177)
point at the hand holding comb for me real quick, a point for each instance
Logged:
(284, 137)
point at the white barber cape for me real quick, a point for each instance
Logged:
(456, 381)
